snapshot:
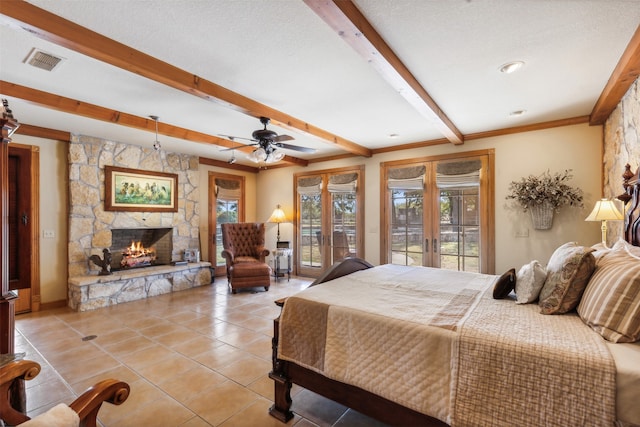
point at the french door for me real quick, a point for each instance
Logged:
(226, 204)
(438, 212)
(328, 218)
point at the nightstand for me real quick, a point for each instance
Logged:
(277, 255)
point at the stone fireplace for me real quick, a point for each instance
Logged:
(92, 228)
(158, 240)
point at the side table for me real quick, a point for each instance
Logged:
(277, 254)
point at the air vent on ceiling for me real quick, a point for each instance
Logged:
(43, 60)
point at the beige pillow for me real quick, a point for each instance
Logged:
(568, 273)
(611, 302)
(529, 282)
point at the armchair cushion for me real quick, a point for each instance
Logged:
(60, 415)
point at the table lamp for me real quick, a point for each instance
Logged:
(277, 216)
(604, 210)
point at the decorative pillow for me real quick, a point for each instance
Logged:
(568, 273)
(625, 247)
(529, 282)
(505, 284)
(611, 303)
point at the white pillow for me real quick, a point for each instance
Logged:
(626, 247)
(529, 282)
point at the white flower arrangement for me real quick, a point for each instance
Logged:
(553, 189)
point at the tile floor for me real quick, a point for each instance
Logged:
(193, 358)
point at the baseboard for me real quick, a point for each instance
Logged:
(52, 305)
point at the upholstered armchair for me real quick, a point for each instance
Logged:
(245, 254)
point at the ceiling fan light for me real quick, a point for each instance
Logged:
(274, 157)
(258, 155)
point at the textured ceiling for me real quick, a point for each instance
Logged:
(282, 54)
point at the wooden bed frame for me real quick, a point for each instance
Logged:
(285, 373)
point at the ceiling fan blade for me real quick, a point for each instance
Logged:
(281, 138)
(231, 137)
(240, 145)
(295, 148)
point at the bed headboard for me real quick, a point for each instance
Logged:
(631, 199)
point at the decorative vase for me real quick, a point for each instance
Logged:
(542, 216)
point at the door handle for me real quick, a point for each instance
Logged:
(24, 218)
(435, 245)
(426, 245)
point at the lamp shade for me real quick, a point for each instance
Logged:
(604, 210)
(277, 216)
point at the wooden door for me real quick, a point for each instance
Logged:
(329, 218)
(23, 224)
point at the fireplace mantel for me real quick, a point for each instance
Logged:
(93, 291)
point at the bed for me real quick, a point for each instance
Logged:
(419, 346)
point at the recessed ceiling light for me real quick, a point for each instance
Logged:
(393, 135)
(511, 67)
(517, 113)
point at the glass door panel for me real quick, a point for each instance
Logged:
(407, 236)
(459, 229)
(226, 211)
(343, 220)
(310, 228)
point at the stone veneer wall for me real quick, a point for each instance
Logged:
(621, 146)
(90, 225)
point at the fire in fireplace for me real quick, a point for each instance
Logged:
(137, 255)
(140, 247)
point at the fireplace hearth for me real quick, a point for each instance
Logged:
(140, 247)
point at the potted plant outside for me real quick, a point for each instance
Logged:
(544, 194)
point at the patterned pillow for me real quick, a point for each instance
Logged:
(505, 284)
(611, 303)
(529, 283)
(568, 273)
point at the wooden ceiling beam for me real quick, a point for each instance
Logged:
(73, 106)
(53, 28)
(221, 164)
(350, 24)
(40, 132)
(626, 72)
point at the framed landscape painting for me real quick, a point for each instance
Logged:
(137, 190)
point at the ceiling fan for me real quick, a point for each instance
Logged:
(267, 143)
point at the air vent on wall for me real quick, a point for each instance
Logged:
(43, 60)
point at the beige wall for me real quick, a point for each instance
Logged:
(573, 147)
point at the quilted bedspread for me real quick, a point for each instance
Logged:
(433, 341)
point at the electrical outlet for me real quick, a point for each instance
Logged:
(48, 234)
(522, 233)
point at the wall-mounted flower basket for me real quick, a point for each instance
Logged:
(542, 216)
(543, 194)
